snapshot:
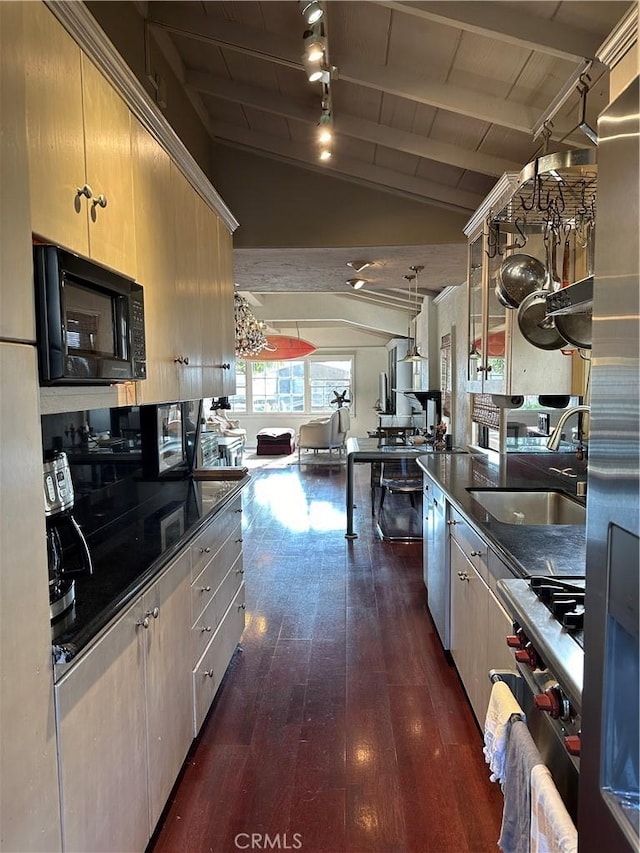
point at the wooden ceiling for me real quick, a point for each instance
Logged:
(430, 101)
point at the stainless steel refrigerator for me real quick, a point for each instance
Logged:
(609, 763)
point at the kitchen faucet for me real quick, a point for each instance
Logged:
(554, 440)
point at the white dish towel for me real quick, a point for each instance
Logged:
(552, 830)
(502, 706)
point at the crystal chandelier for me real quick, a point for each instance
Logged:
(250, 337)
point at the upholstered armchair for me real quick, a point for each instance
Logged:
(325, 433)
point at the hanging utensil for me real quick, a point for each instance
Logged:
(566, 259)
(538, 329)
(576, 329)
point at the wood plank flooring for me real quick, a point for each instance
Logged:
(340, 727)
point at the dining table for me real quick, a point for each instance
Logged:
(370, 450)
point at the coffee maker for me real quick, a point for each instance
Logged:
(67, 550)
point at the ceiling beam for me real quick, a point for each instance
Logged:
(503, 22)
(267, 46)
(377, 177)
(347, 125)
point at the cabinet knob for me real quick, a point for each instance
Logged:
(86, 191)
(143, 623)
(480, 369)
(242, 607)
(239, 540)
(451, 522)
(475, 554)
(237, 510)
(463, 576)
(239, 571)
(205, 589)
(224, 366)
(181, 359)
(208, 673)
(155, 613)
(206, 629)
(99, 201)
(206, 550)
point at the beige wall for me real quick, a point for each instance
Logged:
(271, 201)
(452, 312)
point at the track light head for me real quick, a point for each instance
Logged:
(356, 283)
(315, 45)
(311, 11)
(325, 154)
(358, 266)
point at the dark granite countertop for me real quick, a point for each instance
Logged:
(526, 548)
(134, 528)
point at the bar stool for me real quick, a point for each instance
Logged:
(400, 475)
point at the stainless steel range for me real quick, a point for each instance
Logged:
(548, 614)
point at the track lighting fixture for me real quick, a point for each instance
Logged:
(315, 44)
(311, 11)
(356, 283)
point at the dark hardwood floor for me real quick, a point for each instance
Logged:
(339, 726)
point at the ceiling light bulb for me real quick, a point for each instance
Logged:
(325, 155)
(356, 283)
(311, 12)
(358, 266)
(325, 136)
(315, 75)
(314, 48)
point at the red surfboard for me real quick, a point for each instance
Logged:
(282, 348)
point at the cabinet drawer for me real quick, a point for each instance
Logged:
(213, 664)
(473, 546)
(205, 585)
(213, 536)
(207, 622)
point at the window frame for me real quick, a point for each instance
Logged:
(306, 361)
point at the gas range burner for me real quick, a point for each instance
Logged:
(564, 598)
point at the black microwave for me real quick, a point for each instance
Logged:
(89, 321)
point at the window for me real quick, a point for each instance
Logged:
(301, 386)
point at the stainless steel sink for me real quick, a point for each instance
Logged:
(513, 506)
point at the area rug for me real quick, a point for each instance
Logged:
(307, 460)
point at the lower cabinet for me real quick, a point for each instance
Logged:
(127, 711)
(479, 625)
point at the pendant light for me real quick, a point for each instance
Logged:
(413, 355)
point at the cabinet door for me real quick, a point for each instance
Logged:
(55, 135)
(209, 321)
(101, 725)
(226, 312)
(29, 807)
(156, 265)
(17, 315)
(107, 132)
(469, 611)
(168, 680)
(186, 302)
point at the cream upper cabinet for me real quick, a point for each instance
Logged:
(16, 291)
(226, 332)
(186, 314)
(155, 248)
(79, 149)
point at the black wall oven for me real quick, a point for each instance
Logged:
(89, 321)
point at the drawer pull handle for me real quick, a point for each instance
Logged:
(239, 540)
(205, 589)
(206, 629)
(143, 623)
(239, 571)
(476, 554)
(206, 550)
(463, 576)
(237, 510)
(155, 612)
(451, 522)
(242, 607)
(208, 673)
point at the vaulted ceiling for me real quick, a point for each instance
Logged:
(430, 101)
